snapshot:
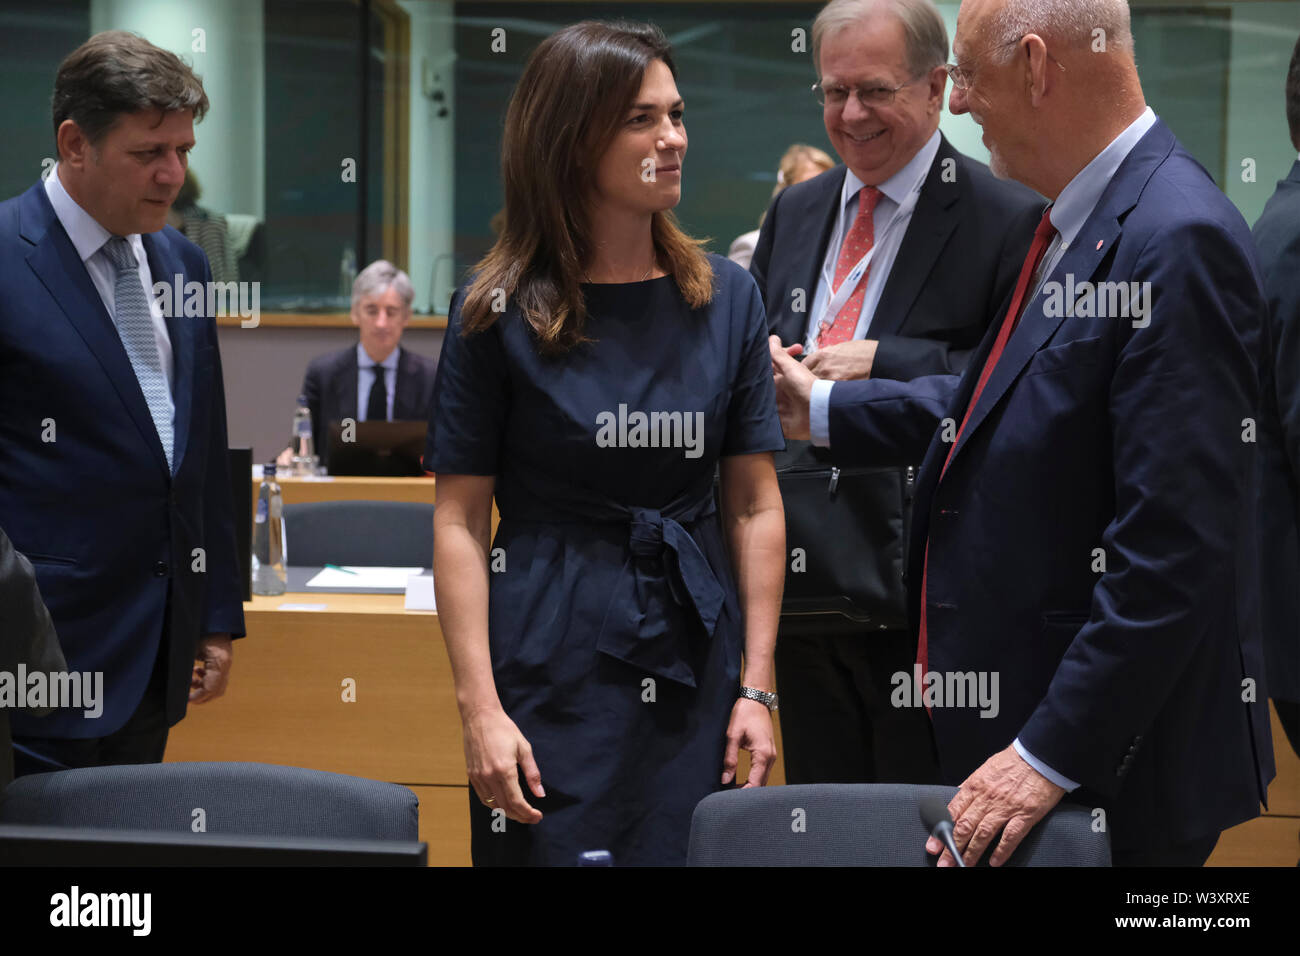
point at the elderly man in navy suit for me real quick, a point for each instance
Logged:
(114, 479)
(1084, 529)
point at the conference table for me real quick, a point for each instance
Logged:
(363, 686)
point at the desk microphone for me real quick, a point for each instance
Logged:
(935, 816)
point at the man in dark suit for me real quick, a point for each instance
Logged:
(377, 379)
(114, 479)
(1277, 239)
(27, 638)
(1084, 539)
(943, 260)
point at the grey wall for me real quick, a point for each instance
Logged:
(263, 369)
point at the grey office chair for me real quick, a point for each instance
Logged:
(364, 533)
(239, 799)
(860, 825)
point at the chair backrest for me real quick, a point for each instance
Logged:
(861, 825)
(364, 533)
(243, 799)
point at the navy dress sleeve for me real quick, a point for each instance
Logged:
(471, 397)
(752, 422)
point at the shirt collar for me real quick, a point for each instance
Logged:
(897, 186)
(1082, 193)
(364, 360)
(87, 235)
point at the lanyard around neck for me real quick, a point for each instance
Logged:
(842, 295)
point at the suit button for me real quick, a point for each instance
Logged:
(160, 569)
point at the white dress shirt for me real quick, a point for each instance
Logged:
(894, 191)
(88, 238)
(366, 380)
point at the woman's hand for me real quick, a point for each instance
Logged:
(750, 728)
(495, 751)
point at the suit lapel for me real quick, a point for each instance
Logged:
(345, 387)
(1092, 245)
(55, 261)
(927, 233)
(1095, 242)
(812, 233)
(166, 267)
(403, 391)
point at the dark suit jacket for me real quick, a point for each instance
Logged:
(1092, 434)
(1277, 238)
(331, 389)
(957, 263)
(127, 554)
(26, 637)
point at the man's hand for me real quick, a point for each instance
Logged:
(211, 668)
(1003, 791)
(793, 389)
(840, 363)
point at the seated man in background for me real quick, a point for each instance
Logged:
(375, 380)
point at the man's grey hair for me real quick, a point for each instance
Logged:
(1071, 22)
(375, 279)
(925, 36)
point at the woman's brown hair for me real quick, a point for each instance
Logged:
(565, 112)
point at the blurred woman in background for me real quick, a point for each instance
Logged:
(798, 163)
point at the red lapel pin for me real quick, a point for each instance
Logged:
(1099, 242)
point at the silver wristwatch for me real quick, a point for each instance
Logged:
(766, 698)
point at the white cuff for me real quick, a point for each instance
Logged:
(819, 413)
(1044, 769)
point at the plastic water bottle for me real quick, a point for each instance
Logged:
(269, 575)
(304, 445)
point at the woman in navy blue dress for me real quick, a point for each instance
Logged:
(597, 370)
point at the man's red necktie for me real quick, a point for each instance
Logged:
(1042, 239)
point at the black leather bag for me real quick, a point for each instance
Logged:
(846, 536)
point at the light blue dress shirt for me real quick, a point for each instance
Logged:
(366, 379)
(1068, 214)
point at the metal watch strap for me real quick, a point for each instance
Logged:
(766, 698)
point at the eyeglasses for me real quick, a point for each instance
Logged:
(962, 76)
(868, 96)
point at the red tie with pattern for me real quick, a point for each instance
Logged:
(857, 243)
(1042, 239)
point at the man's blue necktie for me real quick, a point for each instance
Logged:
(135, 326)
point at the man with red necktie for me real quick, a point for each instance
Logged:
(890, 265)
(1084, 527)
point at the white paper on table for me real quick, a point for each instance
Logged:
(419, 593)
(363, 578)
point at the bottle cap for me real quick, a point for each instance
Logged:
(268, 470)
